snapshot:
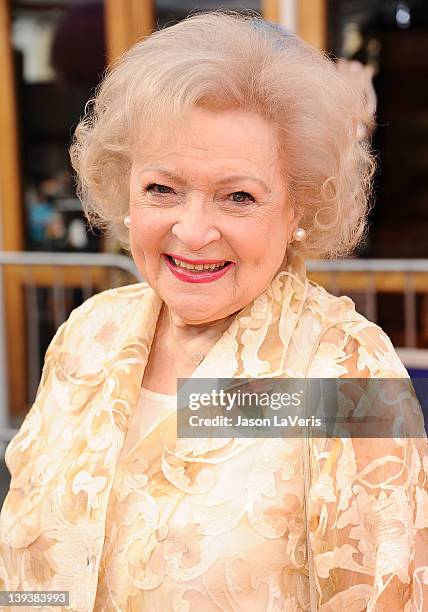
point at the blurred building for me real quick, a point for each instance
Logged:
(393, 37)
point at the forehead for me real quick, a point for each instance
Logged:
(241, 138)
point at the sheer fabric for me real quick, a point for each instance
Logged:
(203, 524)
(151, 409)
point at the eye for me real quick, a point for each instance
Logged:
(242, 195)
(162, 188)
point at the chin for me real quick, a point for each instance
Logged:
(193, 316)
(192, 311)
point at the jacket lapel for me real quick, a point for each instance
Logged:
(70, 448)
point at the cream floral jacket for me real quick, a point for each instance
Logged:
(356, 539)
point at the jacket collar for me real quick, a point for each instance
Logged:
(255, 343)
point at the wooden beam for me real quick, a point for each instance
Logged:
(11, 221)
(312, 22)
(385, 282)
(126, 23)
(143, 19)
(70, 276)
(270, 10)
(11, 226)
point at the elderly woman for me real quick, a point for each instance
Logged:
(222, 152)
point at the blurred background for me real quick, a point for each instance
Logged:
(53, 55)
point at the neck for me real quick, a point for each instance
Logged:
(192, 334)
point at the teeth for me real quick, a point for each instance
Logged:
(211, 267)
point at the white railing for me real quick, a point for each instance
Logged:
(371, 268)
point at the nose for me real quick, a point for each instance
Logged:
(195, 226)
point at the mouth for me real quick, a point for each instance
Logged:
(197, 270)
(198, 265)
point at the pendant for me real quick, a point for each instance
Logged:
(195, 358)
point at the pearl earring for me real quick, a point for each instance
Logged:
(127, 221)
(299, 234)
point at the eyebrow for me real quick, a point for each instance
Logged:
(229, 179)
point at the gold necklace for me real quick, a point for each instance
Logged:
(195, 358)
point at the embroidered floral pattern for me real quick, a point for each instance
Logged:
(199, 524)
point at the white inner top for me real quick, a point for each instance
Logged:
(152, 407)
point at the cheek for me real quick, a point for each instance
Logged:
(141, 247)
(260, 241)
(148, 231)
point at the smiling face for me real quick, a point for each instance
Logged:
(210, 192)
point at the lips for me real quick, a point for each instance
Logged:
(195, 261)
(197, 265)
(196, 270)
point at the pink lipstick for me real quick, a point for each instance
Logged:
(196, 276)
